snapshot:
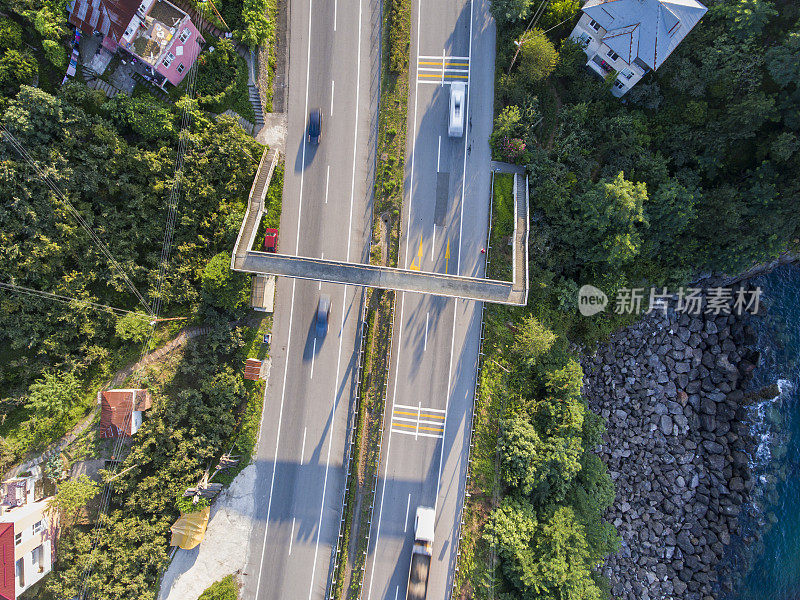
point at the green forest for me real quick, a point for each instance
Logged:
(95, 212)
(696, 171)
(114, 163)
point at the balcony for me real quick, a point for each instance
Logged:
(604, 66)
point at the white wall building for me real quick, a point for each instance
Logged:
(632, 37)
(27, 537)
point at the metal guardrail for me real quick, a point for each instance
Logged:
(349, 456)
(380, 454)
(478, 365)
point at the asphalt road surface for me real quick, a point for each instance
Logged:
(327, 213)
(431, 390)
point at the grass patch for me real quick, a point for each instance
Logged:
(224, 589)
(392, 125)
(272, 16)
(500, 253)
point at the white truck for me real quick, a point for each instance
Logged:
(421, 555)
(455, 125)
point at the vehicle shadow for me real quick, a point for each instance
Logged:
(305, 153)
(313, 341)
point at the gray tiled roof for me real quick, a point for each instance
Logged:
(647, 29)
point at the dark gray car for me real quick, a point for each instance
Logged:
(315, 126)
(323, 314)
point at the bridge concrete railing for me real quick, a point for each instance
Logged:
(331, 271)
(521, 233)
(513, 292)
(255, 206)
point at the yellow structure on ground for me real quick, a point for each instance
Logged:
(190, 529)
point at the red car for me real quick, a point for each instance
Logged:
(271, 240)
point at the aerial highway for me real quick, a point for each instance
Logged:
(327, 213)
(436, 340)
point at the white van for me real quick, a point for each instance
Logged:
(457, 101)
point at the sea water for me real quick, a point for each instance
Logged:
(766, 556)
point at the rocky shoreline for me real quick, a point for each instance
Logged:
(671, 390)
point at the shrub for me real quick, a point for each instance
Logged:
(216, 69)
(222, 287)
(16, 68)
(10, 35)
(55, 53)
(186, 506)
(257, 27)
(539, 56)
(224, 589)
(133, 327)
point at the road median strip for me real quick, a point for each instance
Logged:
(362, 476)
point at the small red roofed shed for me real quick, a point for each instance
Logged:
(252, 369)
(121, 411)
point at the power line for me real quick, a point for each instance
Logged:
(169, 231)
(21, 289)
(14, 143)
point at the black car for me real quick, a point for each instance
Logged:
(315, 126)
(323, 314)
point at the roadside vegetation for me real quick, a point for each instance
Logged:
(114, 160)
(251, 22)
(348, 576)
(695, 171)
(222, 80)
(224, 589)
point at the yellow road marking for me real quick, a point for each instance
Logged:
(400, 412)
(438, 429)
(447, 257)
(438, 63)
(438, 76)
(414, 267)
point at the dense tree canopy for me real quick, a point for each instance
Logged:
(695, 170)
(71, 499)
(101, 155)
(548, 531)
(192, 421)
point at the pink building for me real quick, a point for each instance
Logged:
(157, 34)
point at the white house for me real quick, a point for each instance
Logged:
(27, 537)
(632, 37)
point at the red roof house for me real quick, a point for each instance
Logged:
(109, 17)
(121, 411)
